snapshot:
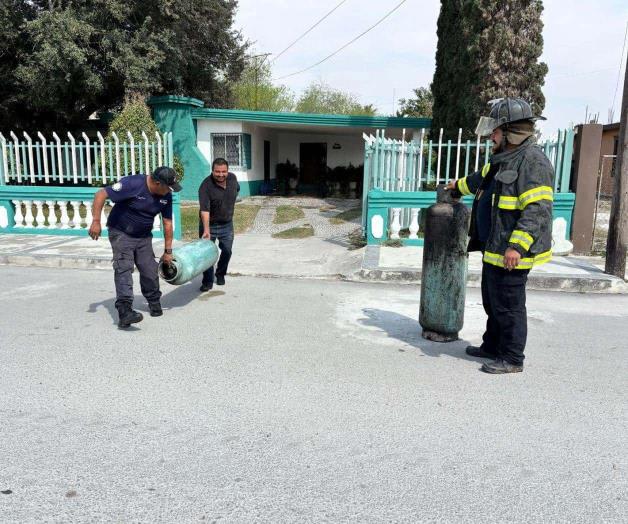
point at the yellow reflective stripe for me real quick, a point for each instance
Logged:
(536, 199)
(463, 187)
(508, 202)
(536, 194)
(522, 238)
(524, 263)
(486, 169)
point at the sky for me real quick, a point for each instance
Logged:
(583, 42)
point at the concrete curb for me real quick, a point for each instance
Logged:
(369, 272)
(590, 283)
(569, 283)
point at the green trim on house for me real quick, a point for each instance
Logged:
(174, 99)
(312, 119)
(172, 113)
(250, 188)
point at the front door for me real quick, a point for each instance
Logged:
(313, 162)
(266, 161)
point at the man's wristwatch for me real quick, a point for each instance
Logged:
(168, 251)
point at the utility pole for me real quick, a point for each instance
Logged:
(256, 68)
(617, 242)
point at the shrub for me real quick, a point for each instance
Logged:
(134, 117)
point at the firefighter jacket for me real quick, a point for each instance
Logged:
(521, 209)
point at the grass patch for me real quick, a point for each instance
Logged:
(243, 218)
(346, 216)
(285, 214)
(296, 232)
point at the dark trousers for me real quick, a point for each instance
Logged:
(504, 300)
(127, 253)
(224, 234)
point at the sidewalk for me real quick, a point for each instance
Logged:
(568, 273)
(314, 258)
(253, 255)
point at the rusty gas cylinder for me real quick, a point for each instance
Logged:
(444, 271)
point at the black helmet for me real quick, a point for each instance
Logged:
(505, 111)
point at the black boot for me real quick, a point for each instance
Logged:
(480, 352)
(500, 367)
(128, 316)
(155, 309)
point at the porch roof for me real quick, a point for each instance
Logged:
(311, 119)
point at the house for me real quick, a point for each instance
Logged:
(254, 142)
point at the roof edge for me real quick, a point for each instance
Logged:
(312, 118)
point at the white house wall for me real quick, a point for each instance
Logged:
(258, 135)
(351, 148)
(283, 145)
(204, 130)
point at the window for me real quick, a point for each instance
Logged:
(233, 147)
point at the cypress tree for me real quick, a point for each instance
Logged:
(486, 49)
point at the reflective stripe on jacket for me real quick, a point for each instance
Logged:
(521, 214)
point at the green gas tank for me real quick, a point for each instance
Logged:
(189, 261)
(444, 271)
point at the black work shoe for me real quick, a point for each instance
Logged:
(220, 280)
(478, 352)
(501, 366)
(128, 316)
(155, 309)
(205, 287)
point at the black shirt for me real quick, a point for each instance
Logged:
(219, 201)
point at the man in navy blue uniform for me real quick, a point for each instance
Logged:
(138, 200)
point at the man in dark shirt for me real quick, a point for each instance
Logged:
(217, 196)
(138, 200)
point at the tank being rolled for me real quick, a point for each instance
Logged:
(188, 261)
(444, 272)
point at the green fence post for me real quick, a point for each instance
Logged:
(176, 216)
(565, 178)
(365, 184)
(174, 114)
(377, 216)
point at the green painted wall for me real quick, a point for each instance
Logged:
(174, 114)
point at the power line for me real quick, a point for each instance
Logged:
(346, 45)
(329, 13)
(621, 63)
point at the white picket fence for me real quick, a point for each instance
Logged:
(80, 162)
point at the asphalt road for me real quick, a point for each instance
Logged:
(302, 401)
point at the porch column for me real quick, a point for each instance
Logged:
(174, 114)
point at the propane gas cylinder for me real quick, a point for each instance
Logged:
(188, 261)
(444, 272)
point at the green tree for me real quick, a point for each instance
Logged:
(419, 106)
(321, 98)
(68, 59)
(256, 92)
(486, 49)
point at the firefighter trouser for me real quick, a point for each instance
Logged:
(504, 300)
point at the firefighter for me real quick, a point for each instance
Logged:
(511, 224)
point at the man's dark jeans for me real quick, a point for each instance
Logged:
(504, 301)
(224, 234)
(128, 252)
